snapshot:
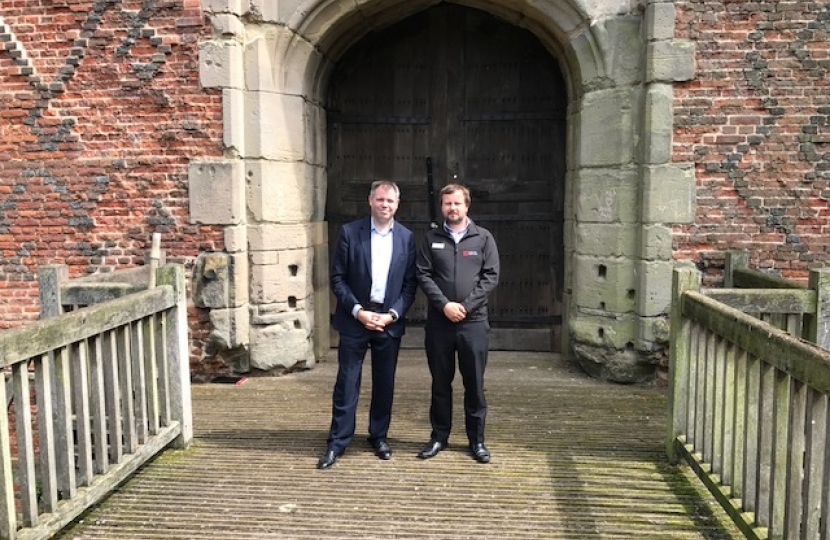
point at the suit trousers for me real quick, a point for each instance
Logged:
(470, 341)
(350, 355)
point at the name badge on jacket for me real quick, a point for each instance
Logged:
(438, 245)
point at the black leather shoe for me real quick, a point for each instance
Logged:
(382, 448)
(480, 452)
(328, 459)
(431, 449)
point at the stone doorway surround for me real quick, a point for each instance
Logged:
(268, 292)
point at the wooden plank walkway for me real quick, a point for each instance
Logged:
(573, 458)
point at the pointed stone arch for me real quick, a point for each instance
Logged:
(272, 62)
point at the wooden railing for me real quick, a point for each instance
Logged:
(805, 314)
(749, 401)
(111, 390)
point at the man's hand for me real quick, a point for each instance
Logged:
(455, 312)
(374, 321)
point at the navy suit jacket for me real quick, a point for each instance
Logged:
(351, 276)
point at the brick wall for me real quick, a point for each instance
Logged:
(755, 123)
(100, 112)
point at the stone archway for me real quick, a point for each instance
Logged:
(273, 62)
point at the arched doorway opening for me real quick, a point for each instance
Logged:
(454, 94)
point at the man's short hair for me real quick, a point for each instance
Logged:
(452, 188)
(387, 184)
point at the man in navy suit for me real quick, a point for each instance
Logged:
(373, 279)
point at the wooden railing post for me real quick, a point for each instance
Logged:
(818, 324)
(734, 260)
(155, 257)
(683, 279)
(49, 280)
(178, 354)
(8, 515)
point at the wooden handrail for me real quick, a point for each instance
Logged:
(24, 342)
(111, 389)
(749, 400)
(803, 360)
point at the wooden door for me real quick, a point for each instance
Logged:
(485, 103)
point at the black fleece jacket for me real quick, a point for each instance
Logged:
(466, 272)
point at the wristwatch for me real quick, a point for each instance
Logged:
(393, 315)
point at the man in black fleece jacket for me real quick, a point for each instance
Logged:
(457, 268)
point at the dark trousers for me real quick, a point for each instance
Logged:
(470, 341)
(350, 354)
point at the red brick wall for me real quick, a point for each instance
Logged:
(100, 113)
(755, 122)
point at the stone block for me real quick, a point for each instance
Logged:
(267, 10)
(319, 233)
(321, 277)
(220, 280)
(268, 314)
(322, 303)
(259, 65)
(315, 28)
(608, 285)
(265, 257)
(605, 137)
(615, 331)
(224, 6)
(211, 275)
(284, 346)
(607, 195)
(670, 61)
(217, 192)
(618, 365)
(316, 135)
(655, 288)
(231, 327)
(656, 243)
(660, 21)
(272, 237)
(236, 238)
(220, 64)
(623, 51)
(584, 51)
(607, 239)
(240, 285)
(299, 59)
(668, 194)
(291, 278)
(279, 191)
(281, 62)
(569, 16)
(289, 10)
(319, 79)
(658, 124)
(228, 26)
(274, 126)
(233, 119)
(320, 189)
(654, 333)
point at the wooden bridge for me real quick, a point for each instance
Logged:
(573, 458)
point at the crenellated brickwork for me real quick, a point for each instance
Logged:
(100, 113)
(756, 124)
